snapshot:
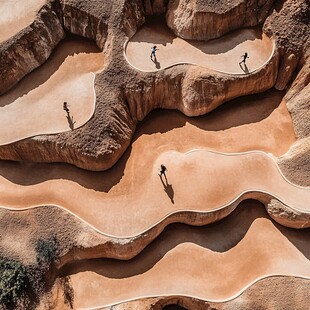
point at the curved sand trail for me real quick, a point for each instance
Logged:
(214, 263)
(198, 181)
(16, 15)
(220, 55)
(35, 105)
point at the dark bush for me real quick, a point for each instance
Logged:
(13, 281)
(47, 250)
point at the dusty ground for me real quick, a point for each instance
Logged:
(222, 54)
(130, 197)
(172, 263)
(35, 105)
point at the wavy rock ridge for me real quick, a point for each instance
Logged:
(123, 95)
(147, 234)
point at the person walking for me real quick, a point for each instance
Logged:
(65, 107)
(153, 52)
(162, 170)
(245, 56)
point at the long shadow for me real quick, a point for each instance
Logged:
(26, 173)
(244, 68)
(67, 47)
(244, 110)
(219, 237)
(70, 120)
(167, 187)
(156, 62)
(228, 41)
(155, 31)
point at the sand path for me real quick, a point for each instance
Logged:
(199, 180)
(234, 127)
(16, 15)
(220, 55)
(214, 263)
(35, 105)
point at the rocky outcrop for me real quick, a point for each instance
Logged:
(195, 90)
(31, 47)
(289, 26)
(286, 216)
(125, 96)
(208, 19)
(86, 20)
(295, 164)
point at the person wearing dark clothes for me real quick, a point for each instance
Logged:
(153, 52)
(163, 170)
(65, 107)
(245, 56)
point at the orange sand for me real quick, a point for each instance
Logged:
(35, 105)
(214, 262)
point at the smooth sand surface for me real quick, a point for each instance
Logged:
(222, 54)
(16, 15)
(253, 122)
(198, 180)
(215, 262)
(35, 105)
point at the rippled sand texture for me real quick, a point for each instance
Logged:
(35, 105)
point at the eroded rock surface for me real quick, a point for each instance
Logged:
(208, 19)
(125, 96)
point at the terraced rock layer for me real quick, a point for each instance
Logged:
(183, 252)
(119, 89)
(206, 19)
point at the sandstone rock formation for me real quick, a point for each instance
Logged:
(123, 95)
(206, 19)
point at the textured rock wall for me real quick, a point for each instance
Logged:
(31, 47)
(155, 7)
(195, 90)
(296, 163)
(289, 26)
(209, 19)
(81, 18)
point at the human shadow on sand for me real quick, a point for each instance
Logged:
(70, 46)
(156, 62)
(244, 68)
(167, 187)
(244, 110)
(70, 120)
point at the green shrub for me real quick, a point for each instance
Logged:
(47, 250)
(13, 281)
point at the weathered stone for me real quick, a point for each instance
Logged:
(31, 47)
(208, 19)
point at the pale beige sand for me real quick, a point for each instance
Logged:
(35, 105)
(213, 263)
(232, 128)
(198, 180)
(221, 54)
(16, 15)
